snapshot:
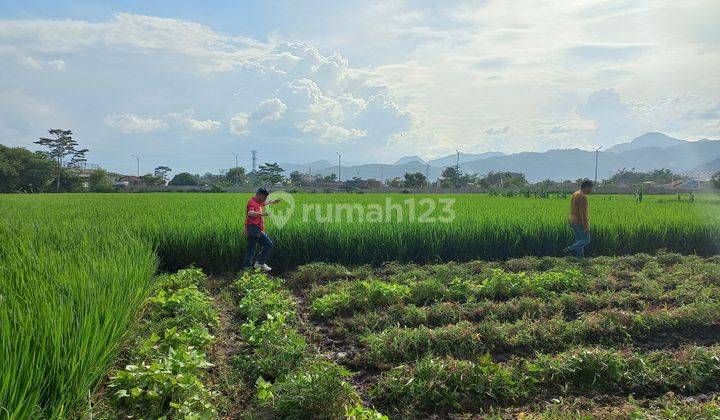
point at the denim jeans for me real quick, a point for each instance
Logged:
(582, 239)
(257, 237)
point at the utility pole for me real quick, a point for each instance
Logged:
(597, 152)
(236, 159)
(137, 158)
(338, 153)
(382, 177)
(253, 155)
(457, 162)
(427, 175)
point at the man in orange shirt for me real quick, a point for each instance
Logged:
(255, 230)
(579, 219)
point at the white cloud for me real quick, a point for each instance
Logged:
(132, 124)
(36, 64)
(30, 62)
(203, 125)
(376, 78)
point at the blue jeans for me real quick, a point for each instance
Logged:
(257, 237)
(582, 239)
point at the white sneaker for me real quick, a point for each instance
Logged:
(263, 267)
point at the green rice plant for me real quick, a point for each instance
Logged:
(68, 297)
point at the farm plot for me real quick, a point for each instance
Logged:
(636, 334)
(76, 269)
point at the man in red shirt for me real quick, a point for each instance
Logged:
(255, 230)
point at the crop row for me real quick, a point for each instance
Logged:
(364, 295)
(564, 305)
(168, 365)
(445, 384)
(607, 327)
(301, 384)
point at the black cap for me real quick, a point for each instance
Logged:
(262, 191)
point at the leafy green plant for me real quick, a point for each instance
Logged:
(317, 389)
(166, 386)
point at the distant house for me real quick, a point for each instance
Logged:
(683, 184)
(363, 184)
(128, 181)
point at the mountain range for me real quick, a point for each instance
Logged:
(645, 153)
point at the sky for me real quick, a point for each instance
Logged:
(188, 84)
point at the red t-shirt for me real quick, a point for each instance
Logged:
(253, 205)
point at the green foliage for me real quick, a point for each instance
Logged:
(169, 386)
(24, 171)
(274, 347)
(170, 363)
(441, 385)
(99, 181)
(186, 307)
(184, 179)
(317, 389)
(359, 295)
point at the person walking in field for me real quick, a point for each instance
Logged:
(579, 219)
(255, 230)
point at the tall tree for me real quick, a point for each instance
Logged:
(716, 180)
(270, 173)
(185, 179)
(296, 178)
(236, 176)
(415, 180)
(62, 145)
(162, 172)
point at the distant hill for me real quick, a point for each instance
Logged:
(409, 159)
(315, 166)
(450, 160)
(713, 166)
(575, 163)
(647, 140)
(645, 153)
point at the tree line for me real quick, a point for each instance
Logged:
(54, 169)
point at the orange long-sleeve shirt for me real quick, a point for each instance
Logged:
(579, 209)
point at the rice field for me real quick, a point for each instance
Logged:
(75, 269)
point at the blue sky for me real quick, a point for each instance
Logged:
(186, 84)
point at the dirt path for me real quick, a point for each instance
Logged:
(234, 393)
